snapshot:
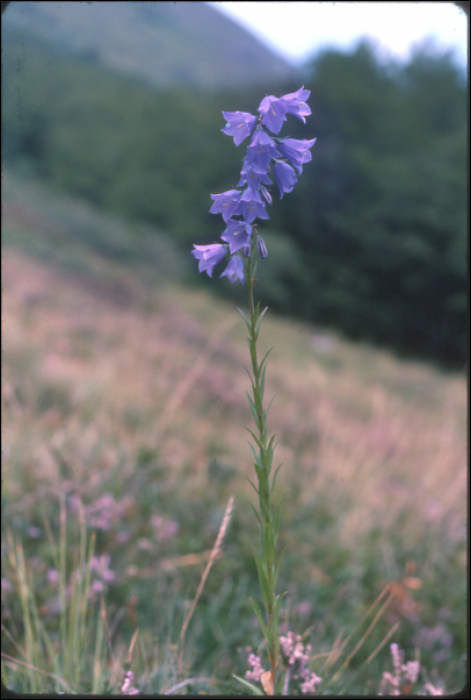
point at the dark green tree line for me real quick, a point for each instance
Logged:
(372, 240)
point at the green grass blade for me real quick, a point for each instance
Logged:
(253, 688)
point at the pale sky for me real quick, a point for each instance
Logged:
(297, 29)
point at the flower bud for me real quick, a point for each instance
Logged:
(262, 249)
(266, 194)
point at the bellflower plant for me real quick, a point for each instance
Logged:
(267, 153)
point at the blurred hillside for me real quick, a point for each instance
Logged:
(371, 242)
(159, 43)
(126, 391)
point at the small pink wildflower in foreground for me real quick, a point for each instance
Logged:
(429, 689)
(256, 673)
(295, 657)
(164, 528)
(405, 675)
(310, 686)
(104, 513)
(293, 649)
(127, 688)
(99, 566)
(53, 576)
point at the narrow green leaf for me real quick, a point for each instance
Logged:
(258, 613)
(249, 375)
(262, 382)
(256, 514)
(278, 568)
(245, 319)
(258, 469)
(276, 517)
(279, 600)
(264, 510)
(252, 484)
(273, 628)
(257, 401)
(260, 476)
(260, 367)
(279, 685)
(269, 406)
(269, 545)
(252, 406)
(256, 457)
(267, 464)
(269, 452)
(269, 455)
(260, 446)
(263, 581)
(253, 688)
(271, 446)
(255, 453)
(277, 645)
(274, 478)
(259, 321)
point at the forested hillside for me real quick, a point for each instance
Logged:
(372, 241)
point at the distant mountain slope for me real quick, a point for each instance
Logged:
(161, 43)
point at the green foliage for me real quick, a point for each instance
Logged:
(385, 241)
(68, 651)
(371, 241)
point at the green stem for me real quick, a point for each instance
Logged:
(263, 473)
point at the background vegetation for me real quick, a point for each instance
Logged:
(373, 240)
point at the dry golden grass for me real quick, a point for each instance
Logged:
(86, 373)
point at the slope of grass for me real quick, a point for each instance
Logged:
(124, 395)
(160, 44)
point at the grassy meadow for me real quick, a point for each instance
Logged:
(124, 397)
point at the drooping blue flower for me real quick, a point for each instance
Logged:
(208, 256)
(253, 174)
(273, 110)
(225, 203)
(288, 156)
(251, 206)
(235, 270)
(285, 177)
(261, 150)
(239, 125)
(297, 151)
(296, 103)
(237, 234)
